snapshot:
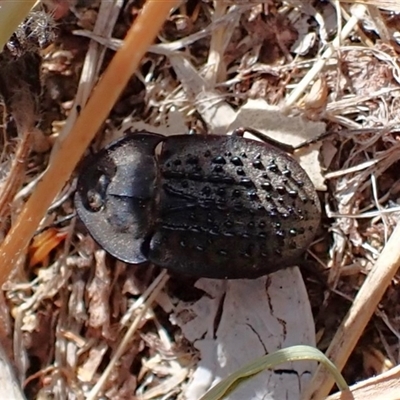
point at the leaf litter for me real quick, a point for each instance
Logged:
(215, 65)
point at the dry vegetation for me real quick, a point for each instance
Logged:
(67, 308)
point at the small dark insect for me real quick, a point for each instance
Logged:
(222, 207)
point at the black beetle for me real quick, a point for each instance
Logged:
(213, 206)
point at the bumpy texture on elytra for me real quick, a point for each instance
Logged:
(207, 205)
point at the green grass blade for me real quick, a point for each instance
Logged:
(294, 353)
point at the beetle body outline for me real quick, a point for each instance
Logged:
(223, 207)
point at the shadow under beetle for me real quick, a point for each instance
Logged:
(223, 207)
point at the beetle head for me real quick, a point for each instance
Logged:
(116, 194)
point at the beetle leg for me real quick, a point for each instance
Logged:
(324, 135)
(283, 146)
(276, 143)
(290, 148)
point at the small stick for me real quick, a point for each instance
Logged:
(107, 91)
